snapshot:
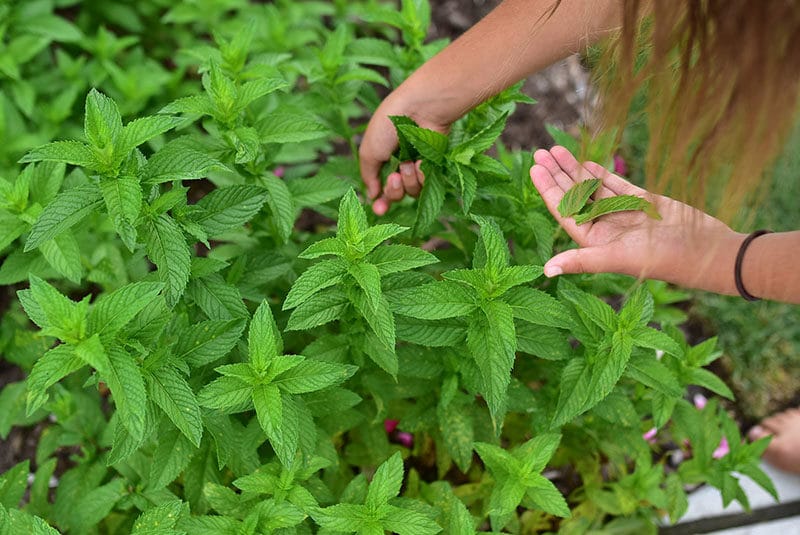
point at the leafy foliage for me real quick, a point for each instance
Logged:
(205, 352)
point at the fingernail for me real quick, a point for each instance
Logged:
(552, 271)
(407, 168)
(395, 182)
(379, 207)
(757, 432)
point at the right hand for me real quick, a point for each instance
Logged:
(377, 146)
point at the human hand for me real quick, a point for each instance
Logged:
(685, 247)
(378, 144)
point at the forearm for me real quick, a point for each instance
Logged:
(519, 37)
(769, 268)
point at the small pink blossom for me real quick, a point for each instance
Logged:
(650, 436)
(722, 450)
(405, 439)
(620, 165)
(700, 401)
(279, 171)
(390, 425)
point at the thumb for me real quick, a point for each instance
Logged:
(583, 260)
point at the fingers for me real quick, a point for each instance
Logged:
(584, 260)
(615, 183)
(552, 193)
(370, 169)
(578, 173)
(408, 180)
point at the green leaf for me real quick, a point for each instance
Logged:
(218, 299)
(654, 339)
(484, 139)
(123, 198)
(495, 246)
(269, 408)
(264, 340)
(66, 210)
(175, 161)
(538, 307)
(280, 127)
(369, 280)
(280, 204)
(342, 517)
(378, 234)
(394, 258)
(706, 379)
(316, 278)
(207, 341)
(102, 122)
(433, 301)
(125, 381)
(229, 207)
(326, 246)
(547, 497)
(64, 255)
(51, 367)
(312, 375)
(619, 203)
(407, 522)
(492, 341)
(650, 372)
(113, 311)
(93, 506)
(442, 333)
(407, 152)
(159, 519)
(92, 352)
(386, 482)
(430, 145)
(320, 308)
(469, 186)
(431, 200)
(543, 342)
(594, 308)
(577, 196)
(71, 152)
(167, 248)
(172, 456)
(144, 129)
(352, 219)
(515, 276)
(174, 396)
(13, 485)
(457, 429)
(378, 317)
(229, 394)
(64, 318)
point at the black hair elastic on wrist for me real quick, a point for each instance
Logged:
(737, 269)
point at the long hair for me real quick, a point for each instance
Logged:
(721, 79)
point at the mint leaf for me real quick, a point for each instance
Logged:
(125, 381)
(321, 308)
(102, 122)
(175, 161)
(174, 396)
(280, 127)
(218, 299)
(386, 482)
(352, 219)
(316, 278)
(393, 258)
(538, 307)
(429, 144)
(113, 311)
(51, 367)
(207, 341)
(66, 210)
(618, 203)
(491, 340)
(312, 375)
(168, 250)
(264, 339)
(123, 198)
(577, 196)
(144, 129)
(70, 152)
(64, 255)
(433, 301)
(229, 207)
(280, 204)
(368, 279)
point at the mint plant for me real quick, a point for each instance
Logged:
(213, 335)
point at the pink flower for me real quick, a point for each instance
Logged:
(722, 450)
(699, 401)
(650, 436)
(390, 425)
(405, 439)
(620, 166)
(279, 171)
